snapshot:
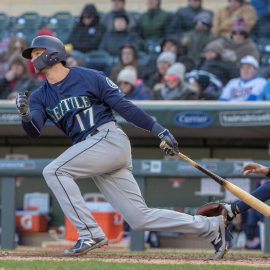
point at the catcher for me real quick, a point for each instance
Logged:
(232, 209)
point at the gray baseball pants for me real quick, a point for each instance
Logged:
(106, 158)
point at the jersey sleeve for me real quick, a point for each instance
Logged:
(110, 94)
(33, 125)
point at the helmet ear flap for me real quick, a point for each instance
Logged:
(46, 59)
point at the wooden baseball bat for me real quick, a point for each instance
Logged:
(238, 192)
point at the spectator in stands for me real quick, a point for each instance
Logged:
(239, 237)
(214, 63)
(75, 59)
(119, 6)
(128, 57)
(224, 18)
(113, 40)
(207, 84)
(240, 44)
(170, 43)
(265, 95)
(15, 45)
(175, 87)
(153, 22)
(16, 79)
(164, 61)
(196, 39)
(45, 32)
(86, 35)
(132, 88)
(261, 31)
(183, 20)
(248, 87)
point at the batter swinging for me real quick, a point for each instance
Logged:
(80, 102)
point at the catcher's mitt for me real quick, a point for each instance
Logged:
(212, 209)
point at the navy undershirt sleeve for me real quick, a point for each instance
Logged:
(110, 94)
(133, 114)
(33, 127)
(262, 193)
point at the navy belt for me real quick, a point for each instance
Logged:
(94, 132)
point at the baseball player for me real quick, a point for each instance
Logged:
(232, 209)
(80, 101)
(262, 192)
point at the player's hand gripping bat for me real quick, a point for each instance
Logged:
(238, 192)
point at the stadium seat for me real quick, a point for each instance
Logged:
(61, 24)
(26, 25)
(4, 23)
(263, 45)
(99, 60)
(143, 57)
(152, 46)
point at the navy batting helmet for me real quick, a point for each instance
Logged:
(54, 51)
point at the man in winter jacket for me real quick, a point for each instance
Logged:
(88, 32)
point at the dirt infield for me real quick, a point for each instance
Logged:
(156, 256)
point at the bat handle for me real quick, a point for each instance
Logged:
(163, 144)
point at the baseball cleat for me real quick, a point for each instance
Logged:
(219, 243)
(84, 245)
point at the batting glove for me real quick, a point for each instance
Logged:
(22, 103)
(165, 135)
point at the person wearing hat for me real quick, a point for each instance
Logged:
(173, 44)
(183, 19)
(175, 87)
(17, 78)
(240, 44)
(164, 61)
(114, 39)
(196, 39)
(247, 87)
(224, 17)
(86, 35)
(208, 85)
(170, 43)
(128, 56)
(132, 88)
(214, 62)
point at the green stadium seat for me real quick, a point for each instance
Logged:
(99, 60)
(4, 23)
(26, 25)
(61, 24)
(143, 57)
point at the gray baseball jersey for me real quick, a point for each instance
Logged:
(81, 105)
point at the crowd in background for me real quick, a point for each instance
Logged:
(191, 54)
